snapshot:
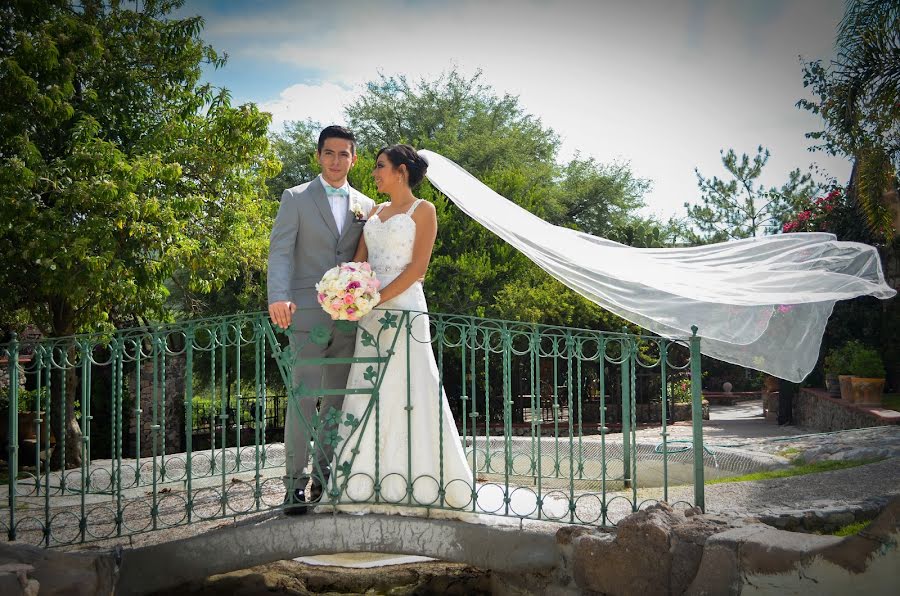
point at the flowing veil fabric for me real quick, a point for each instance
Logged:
(762, 303)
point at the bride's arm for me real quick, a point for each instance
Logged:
(362, 251)
(425, 217)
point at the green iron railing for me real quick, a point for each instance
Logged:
(547, 418)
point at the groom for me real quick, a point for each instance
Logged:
(315, 229)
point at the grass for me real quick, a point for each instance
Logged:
(851, 529)
(891, 401)
(789, 452)
(796, 470)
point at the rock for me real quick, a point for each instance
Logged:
(654, 551)
(566, 534)
(812, 521)
(11, 584)
(292, 577)
(841, 519)
(55, 572)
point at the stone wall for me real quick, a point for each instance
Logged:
(814, 409)
(174, 409)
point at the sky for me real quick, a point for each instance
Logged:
(664, 85)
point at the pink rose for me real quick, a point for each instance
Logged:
(353, 285)
(321, 297)
(348, 298)
(336, 304)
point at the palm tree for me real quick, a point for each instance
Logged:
(859, 98)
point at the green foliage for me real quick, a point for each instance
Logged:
(120, 171)
(854, 358)
(295, 148)
(680, 388)
(858, 97)
(866, 362)
(27, 399)
(123, 176)
(837, 361)
(852, 529)
(539, 298)
(600, 199)
(739, 207)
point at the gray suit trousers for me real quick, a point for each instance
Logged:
(300, 410)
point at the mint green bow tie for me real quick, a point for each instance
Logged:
(335, 192)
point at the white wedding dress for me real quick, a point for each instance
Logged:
(407, 438)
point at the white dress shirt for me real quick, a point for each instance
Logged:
(340, 204)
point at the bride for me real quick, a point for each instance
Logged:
(399, 446)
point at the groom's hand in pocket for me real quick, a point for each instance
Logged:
(281, 313)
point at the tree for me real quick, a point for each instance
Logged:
(121, 172)
(599, 199)
(742, 208)
(858, 97)
(295, 148)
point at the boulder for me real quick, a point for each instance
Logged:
(29, 570)
(655, 551)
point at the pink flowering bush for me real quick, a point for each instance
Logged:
(816, 216)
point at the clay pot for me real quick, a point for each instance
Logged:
(867, 391)
(846, 388)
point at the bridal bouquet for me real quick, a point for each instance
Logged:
(349, 291)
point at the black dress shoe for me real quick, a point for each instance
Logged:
(315, 493)
(295, 502)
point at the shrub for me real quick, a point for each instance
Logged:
(867, 363)
(680, 388)
(837, 361)
(27, 399)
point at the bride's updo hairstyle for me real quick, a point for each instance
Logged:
(405, 155)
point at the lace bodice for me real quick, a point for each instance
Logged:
(390, 242)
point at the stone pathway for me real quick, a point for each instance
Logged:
(742, 427)
(817, 500)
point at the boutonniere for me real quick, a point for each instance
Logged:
(357, 211)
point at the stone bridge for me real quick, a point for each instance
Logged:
(654, 551)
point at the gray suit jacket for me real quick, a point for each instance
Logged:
(305, 242)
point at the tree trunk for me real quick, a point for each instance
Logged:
(63, 423)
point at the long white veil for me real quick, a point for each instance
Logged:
(762, 302)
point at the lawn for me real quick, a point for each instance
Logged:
(796, 470)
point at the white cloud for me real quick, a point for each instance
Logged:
(322, 102)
